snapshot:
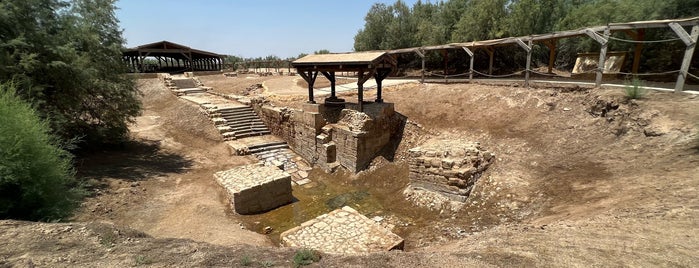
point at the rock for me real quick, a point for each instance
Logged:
(268, 230)
(303, 174)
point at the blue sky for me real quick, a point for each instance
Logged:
(252, 28)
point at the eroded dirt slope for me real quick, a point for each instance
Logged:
(582, 178)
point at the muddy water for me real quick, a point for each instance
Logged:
(372, 193)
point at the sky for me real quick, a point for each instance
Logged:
(251, 28)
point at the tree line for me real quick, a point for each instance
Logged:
(270, 61)
(442, 22)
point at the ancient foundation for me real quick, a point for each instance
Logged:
(445, 172)
(255, 188)
(342, 231)
(332, 135)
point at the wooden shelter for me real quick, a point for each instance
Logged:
(601, 34)
(367, 64)
(172, 58)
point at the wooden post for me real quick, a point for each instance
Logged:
(491, 53)
(331, 77)
(691, 42)
(380, 76)
(422, 56)
(310, 78)
(528, 48)
(603, 40)
(470, 68)
(360, 90)
(191, 65)
(360, 86)
(638, 35)
(446, 61)
(551, 44)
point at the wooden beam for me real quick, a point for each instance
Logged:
(470, 66)
(595, 36)
(551, 44)
(445, 55)
(637, 35)
(491, 54)
(310, 77)
(379, 76)
(688, 53)
(602, 57)
(363, 77)
(528, 48)
(422, 56)
(331, 76)
(682, 34)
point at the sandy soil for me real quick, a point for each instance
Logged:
(583, 177)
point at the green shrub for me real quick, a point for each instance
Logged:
(246, 261)
(306, 257)
(634, 89)
(36, 177)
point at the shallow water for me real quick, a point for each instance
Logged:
(372, 193)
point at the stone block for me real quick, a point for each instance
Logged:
(447, 168)
(255, 188)
(313, 108)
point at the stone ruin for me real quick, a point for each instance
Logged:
(333, 135)
(342, 231)
(255, 188)
(444, 172)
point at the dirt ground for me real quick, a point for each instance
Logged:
(583, 177)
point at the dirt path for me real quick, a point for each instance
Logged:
(165, 186)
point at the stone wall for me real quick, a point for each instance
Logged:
(447, 168)
(255, 188)
(330, 136)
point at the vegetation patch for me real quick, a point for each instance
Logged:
(305, 257)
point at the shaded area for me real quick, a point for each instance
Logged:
(135, 161)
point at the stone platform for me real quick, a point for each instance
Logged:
(256, 188)
(342, 231)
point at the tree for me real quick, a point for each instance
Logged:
(36, 179)
(481, 20)
(322, 51)
(65, 58)
(372, 36)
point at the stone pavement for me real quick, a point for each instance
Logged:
(342, 231)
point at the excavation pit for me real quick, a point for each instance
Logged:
(256, 188)
(342, 231)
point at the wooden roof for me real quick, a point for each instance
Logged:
(346, 61)
(562, 34)
(169, 49)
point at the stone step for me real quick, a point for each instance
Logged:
(244, 122)
(234, 115)
(262, 145)
(250, 134)
(265, 149)
(239, 117)
(233, 109)
(255, 128)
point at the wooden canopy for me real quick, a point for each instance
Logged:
(601, 34)
(367, 64)
(171, 57)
